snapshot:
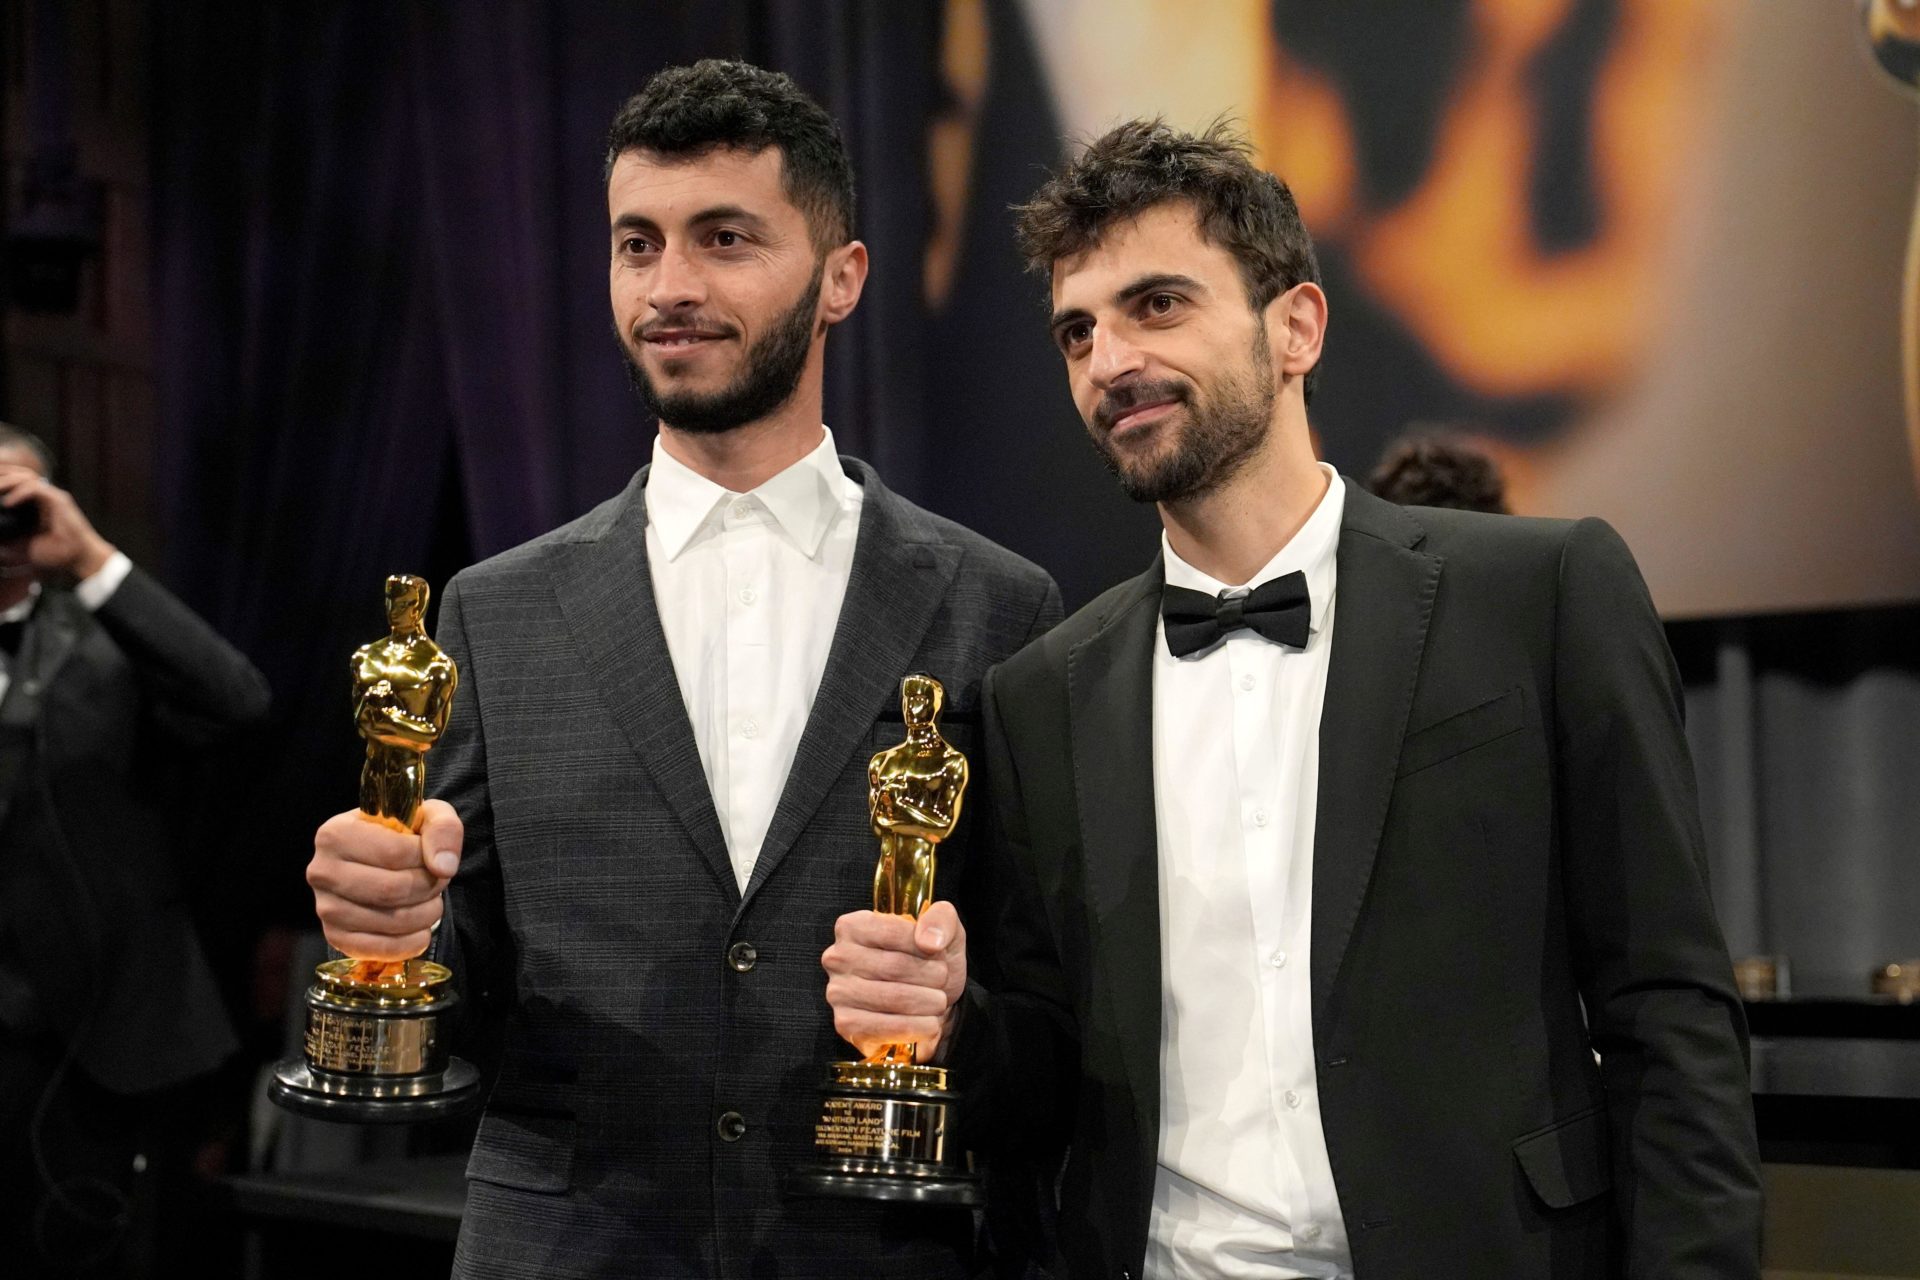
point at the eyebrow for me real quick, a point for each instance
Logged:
(1152, 283)
(706, 217)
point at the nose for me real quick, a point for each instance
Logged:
(1113, 359)
(676, 283)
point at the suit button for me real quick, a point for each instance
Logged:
(741, 957)
(731, 1125)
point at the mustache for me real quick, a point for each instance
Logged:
(664, 324)
(1133, 395)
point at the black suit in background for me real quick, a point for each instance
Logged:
(100, 969)
(1506, 832)
(665, 1037)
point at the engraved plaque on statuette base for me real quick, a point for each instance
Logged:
(377, 1052)
(882, 1135)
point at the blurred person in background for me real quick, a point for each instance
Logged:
(108, 1011)
(1438, 469)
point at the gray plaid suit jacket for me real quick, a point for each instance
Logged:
(661, 1037)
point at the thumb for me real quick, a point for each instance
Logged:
(441, 837)
(938, 929)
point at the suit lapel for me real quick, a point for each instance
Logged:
(1385, 591)
(605, 590)
(49, 639)
(1110, 700)
(901, 570)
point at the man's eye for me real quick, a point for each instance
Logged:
(726, 239)
(1075, 334)
(1161, 303)
(633, 244)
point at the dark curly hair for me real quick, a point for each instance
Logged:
(715, 104)
(1434, 469)
(1143, 163)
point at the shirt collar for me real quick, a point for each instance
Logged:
(804, 500)
(1313, 550)
(22, 610)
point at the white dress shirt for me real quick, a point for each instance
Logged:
(91, 592)
(1243, 1187)
(749, 588)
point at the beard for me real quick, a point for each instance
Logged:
(770, 371)
(1222, 430)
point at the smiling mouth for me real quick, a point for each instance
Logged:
(1139, 415)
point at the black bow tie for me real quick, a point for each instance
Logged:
(1278, 610)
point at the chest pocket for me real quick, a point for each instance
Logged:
(1457, 734)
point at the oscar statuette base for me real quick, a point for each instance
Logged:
(376, 1050)
(882, 1135)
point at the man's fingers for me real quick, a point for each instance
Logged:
(894, 998)
(353, 837)
(18, 486)
(340, 914)
(441, 838)
(377, 887)
(872, 929)
(853, 960)
(939, 929)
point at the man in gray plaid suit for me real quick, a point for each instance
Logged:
(653, 786)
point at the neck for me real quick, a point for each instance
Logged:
(743, 459)
(1231, 532)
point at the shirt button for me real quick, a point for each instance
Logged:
(742, 956)
(731, 1126)
(749, 730)
(748, 595)
(1279, 960)
(1293, 1100)
(741, 511)
(1259, 817)
(1246, 681)
(1310, 1233)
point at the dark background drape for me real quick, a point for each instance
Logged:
(382, 344)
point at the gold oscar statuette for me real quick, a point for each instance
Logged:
(885, 1120)
(376, 1040)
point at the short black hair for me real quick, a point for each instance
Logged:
(19, 437)
(715, 104)
(1142, 164)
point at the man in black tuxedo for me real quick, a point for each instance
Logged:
(1347, 912)
(107, 1005)
(654, 780)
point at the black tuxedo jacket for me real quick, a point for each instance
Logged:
(1508, 879)
(666, 1036)
(92, 919)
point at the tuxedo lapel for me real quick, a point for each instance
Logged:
(901, 570)
(605, 590)
(1110, 699)
(1384, 590)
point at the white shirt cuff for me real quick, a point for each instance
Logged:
(92, 592)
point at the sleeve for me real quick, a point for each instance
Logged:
(1662, 1010)
(199, 687)
(1015, 1056)
(473, 940)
